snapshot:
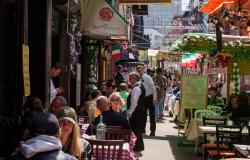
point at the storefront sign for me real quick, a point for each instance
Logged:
(194, 92)
(26, 72)
(106, 14)
(191, 72)
(145, 2)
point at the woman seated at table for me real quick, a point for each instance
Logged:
(232, 104)
(116, 103)
(72, 143)
(243, 109)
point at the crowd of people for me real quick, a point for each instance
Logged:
(125, 101)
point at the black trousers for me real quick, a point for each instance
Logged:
(135, 123)
(149, 106)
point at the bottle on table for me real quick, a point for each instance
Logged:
(100, 129)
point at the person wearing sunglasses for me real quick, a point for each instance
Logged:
(116, 103)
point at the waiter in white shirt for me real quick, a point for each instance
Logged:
(55, 71)
(150, 99)
(135, 104)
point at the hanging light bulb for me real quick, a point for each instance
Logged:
(239, 12)
(221, 29)
(232, 26)
(248, 25)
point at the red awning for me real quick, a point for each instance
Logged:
(213, 6)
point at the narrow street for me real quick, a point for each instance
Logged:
(164, 145)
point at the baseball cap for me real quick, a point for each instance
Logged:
(44, 123)
(66, 113)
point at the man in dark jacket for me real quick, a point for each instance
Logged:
(119, 76)
(110, 117)
(43, 144)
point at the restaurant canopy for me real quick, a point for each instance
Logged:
(102, 21)
(238, 46)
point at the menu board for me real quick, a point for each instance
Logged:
(194, 91)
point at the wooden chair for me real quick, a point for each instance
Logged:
(118, 134)
(226, 135)
(93, 128)
(211, 121)
(106, 149)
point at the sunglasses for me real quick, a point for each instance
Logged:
(115, 100)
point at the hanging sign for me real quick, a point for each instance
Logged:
(26, 72)
(100, 20)
(78, 84)
(194, 92)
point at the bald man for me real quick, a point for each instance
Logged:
(110, 117)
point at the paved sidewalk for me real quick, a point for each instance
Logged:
(164, 145)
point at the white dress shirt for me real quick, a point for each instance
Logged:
(149, 85)
(53, 91)
(135, 94)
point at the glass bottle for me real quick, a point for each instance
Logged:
(100, 129)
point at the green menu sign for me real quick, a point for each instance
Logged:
(194, 91)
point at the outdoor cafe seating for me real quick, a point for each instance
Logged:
(118, 143)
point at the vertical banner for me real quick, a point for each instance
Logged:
(78, 84)
(26, 72)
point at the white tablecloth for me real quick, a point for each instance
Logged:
(167, 97)
(171, 104)
(193, 131)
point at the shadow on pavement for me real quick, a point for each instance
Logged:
(180, 152)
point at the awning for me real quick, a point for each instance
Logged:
(213, 6)
(102, 21)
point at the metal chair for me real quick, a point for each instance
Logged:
(215, 109)
(106, 149)
(226, 135)
(211, 121)
(200, 113)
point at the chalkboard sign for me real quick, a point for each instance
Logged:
(194, 92)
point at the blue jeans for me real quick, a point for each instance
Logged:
(159, 108)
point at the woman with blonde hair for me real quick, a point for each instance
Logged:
(117, 102)
(70, 137)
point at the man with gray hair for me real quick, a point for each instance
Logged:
(58, 102)
(110, 117)
(135, 104)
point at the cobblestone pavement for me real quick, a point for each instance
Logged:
(163, 146)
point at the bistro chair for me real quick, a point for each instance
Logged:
(226, 135)
(93, 128)
(211, 121)
(106, 149)
(118, 134)
(215, 109)
(200, 113)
